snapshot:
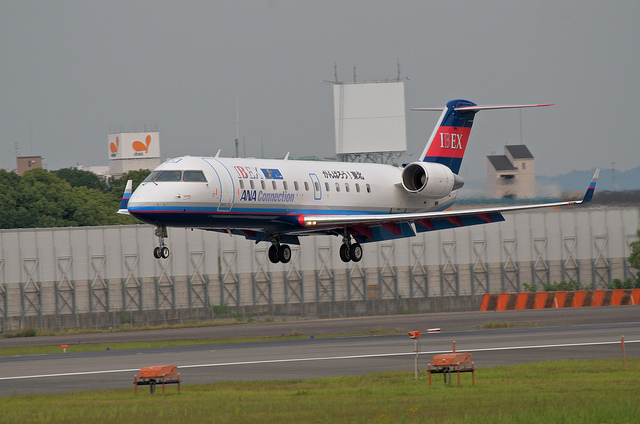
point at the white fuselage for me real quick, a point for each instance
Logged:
(270, 195)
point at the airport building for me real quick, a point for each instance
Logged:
(512, 175)
(27, 163)
(132, 151)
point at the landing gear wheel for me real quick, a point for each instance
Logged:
(161, 251)
(273, 254)
(355, 252)
(345, 254)
(284, 253)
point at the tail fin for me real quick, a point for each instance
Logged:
(125, 198)
(448, 141)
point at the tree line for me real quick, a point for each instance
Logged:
(62, 198)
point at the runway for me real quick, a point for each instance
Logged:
(548, 335)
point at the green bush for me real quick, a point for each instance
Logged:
(25, 332)
(563, 286)
(626, 284)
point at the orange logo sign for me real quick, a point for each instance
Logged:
(139, 146)
(114, 146)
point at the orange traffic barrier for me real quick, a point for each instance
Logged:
(560, 299)
(522, 301)
(485, 302)
(541, 300)
(502, 301)
(598, 297)
(617, 297)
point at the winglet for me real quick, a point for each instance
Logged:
(588, 195)
(125, 198)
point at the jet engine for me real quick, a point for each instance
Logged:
(430, 179)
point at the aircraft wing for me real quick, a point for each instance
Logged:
(378, 227)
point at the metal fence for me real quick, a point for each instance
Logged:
(64, 272)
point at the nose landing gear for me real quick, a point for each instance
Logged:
(161, 251)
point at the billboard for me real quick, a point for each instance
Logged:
(134, 145)
(369, 117)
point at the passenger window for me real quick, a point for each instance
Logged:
(338, 187)
(295, 185)
(346, 187)
(252, 185)
(306, 186)
(357, 187)
(263, 185)
(368, 189)
(326, 186)
(317, 186)
(285, 185)
(273, 183)
(197, 176)
(242, 184)
(169, 176)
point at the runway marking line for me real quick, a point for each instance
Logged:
(327, 358)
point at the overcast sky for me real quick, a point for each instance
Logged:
(71, 70)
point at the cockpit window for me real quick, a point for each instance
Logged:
(169, 176)
(151, 176)
(197, 176)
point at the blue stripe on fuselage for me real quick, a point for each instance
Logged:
(248, 211)
(272, 219)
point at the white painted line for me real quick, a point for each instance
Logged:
(326, 358)
(67, 374)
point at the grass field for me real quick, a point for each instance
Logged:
(547, 392)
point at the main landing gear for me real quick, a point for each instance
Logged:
(350, 251)
(279, 252)
(161, 251)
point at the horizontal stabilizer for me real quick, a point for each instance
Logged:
(480, 107)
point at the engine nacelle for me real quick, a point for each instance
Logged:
(432, 180)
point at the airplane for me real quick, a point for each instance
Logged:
(280, 200)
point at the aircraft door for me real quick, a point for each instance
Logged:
(317, 188)
(226, 189)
